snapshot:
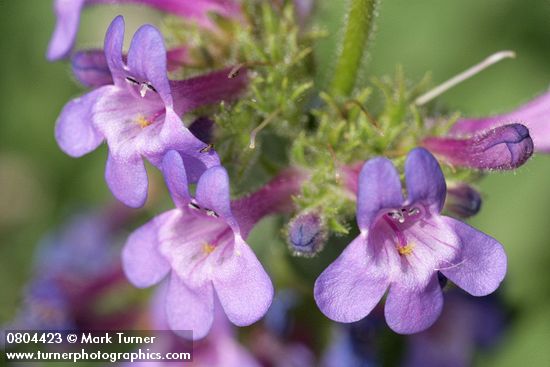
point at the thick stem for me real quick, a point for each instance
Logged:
(359, 18)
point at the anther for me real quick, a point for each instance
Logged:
(207, 148)
(150, 87)
(132, 80)
(397, 215)
(413, 211)
(212, 213)
(194, 206)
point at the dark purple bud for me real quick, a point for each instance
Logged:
(306, 234)
(502, 148)
(463, 200)
(90, 68)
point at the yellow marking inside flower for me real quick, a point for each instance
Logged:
(142, 121)
(208, 248)
(406, 250)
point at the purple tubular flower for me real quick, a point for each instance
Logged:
(201, 244)
(68, 17)
(463, 200)
(138, 115)
(402, 246)
(354, 345)
(502, 148)
(45, 307)
(75, 264)
(220, 348)
(452, 343)
(535, 115)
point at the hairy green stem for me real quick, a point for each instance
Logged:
(359, 20)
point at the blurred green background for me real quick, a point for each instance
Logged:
(39, 185)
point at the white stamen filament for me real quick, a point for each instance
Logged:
(143, 89)
(445, 86)
(261, 126)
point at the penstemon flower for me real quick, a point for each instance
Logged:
(535, 115)
(138, 114)
(76, 266)
(306, 125)
(202, 245)
(501, 148)
(452, 343)
(219, 349)
(68, 17)
(402, 246)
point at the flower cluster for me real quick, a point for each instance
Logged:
(319, 152)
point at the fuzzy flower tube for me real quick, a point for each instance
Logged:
(535, 115)
(201, 244)
(402, 246)
(501, 148)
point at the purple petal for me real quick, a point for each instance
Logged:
(351, 286)
(68, 17)
(434, 244)
(213, 193)
(425, 181)
(197, 156)
(207, 89)
(190, 308)
(143, 264)
(74, 131)
(91, 69)
(114, 40)
(197, 9)
(118, 116)
(147, 60)
(502, 148)
(176, 178)
(127, 180)
(535, 115)
(242, 285)
(481, 264)
(379, 188)
(410, 310)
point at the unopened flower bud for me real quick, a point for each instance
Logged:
(502, 148)
(306, 234)
(463, 200)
